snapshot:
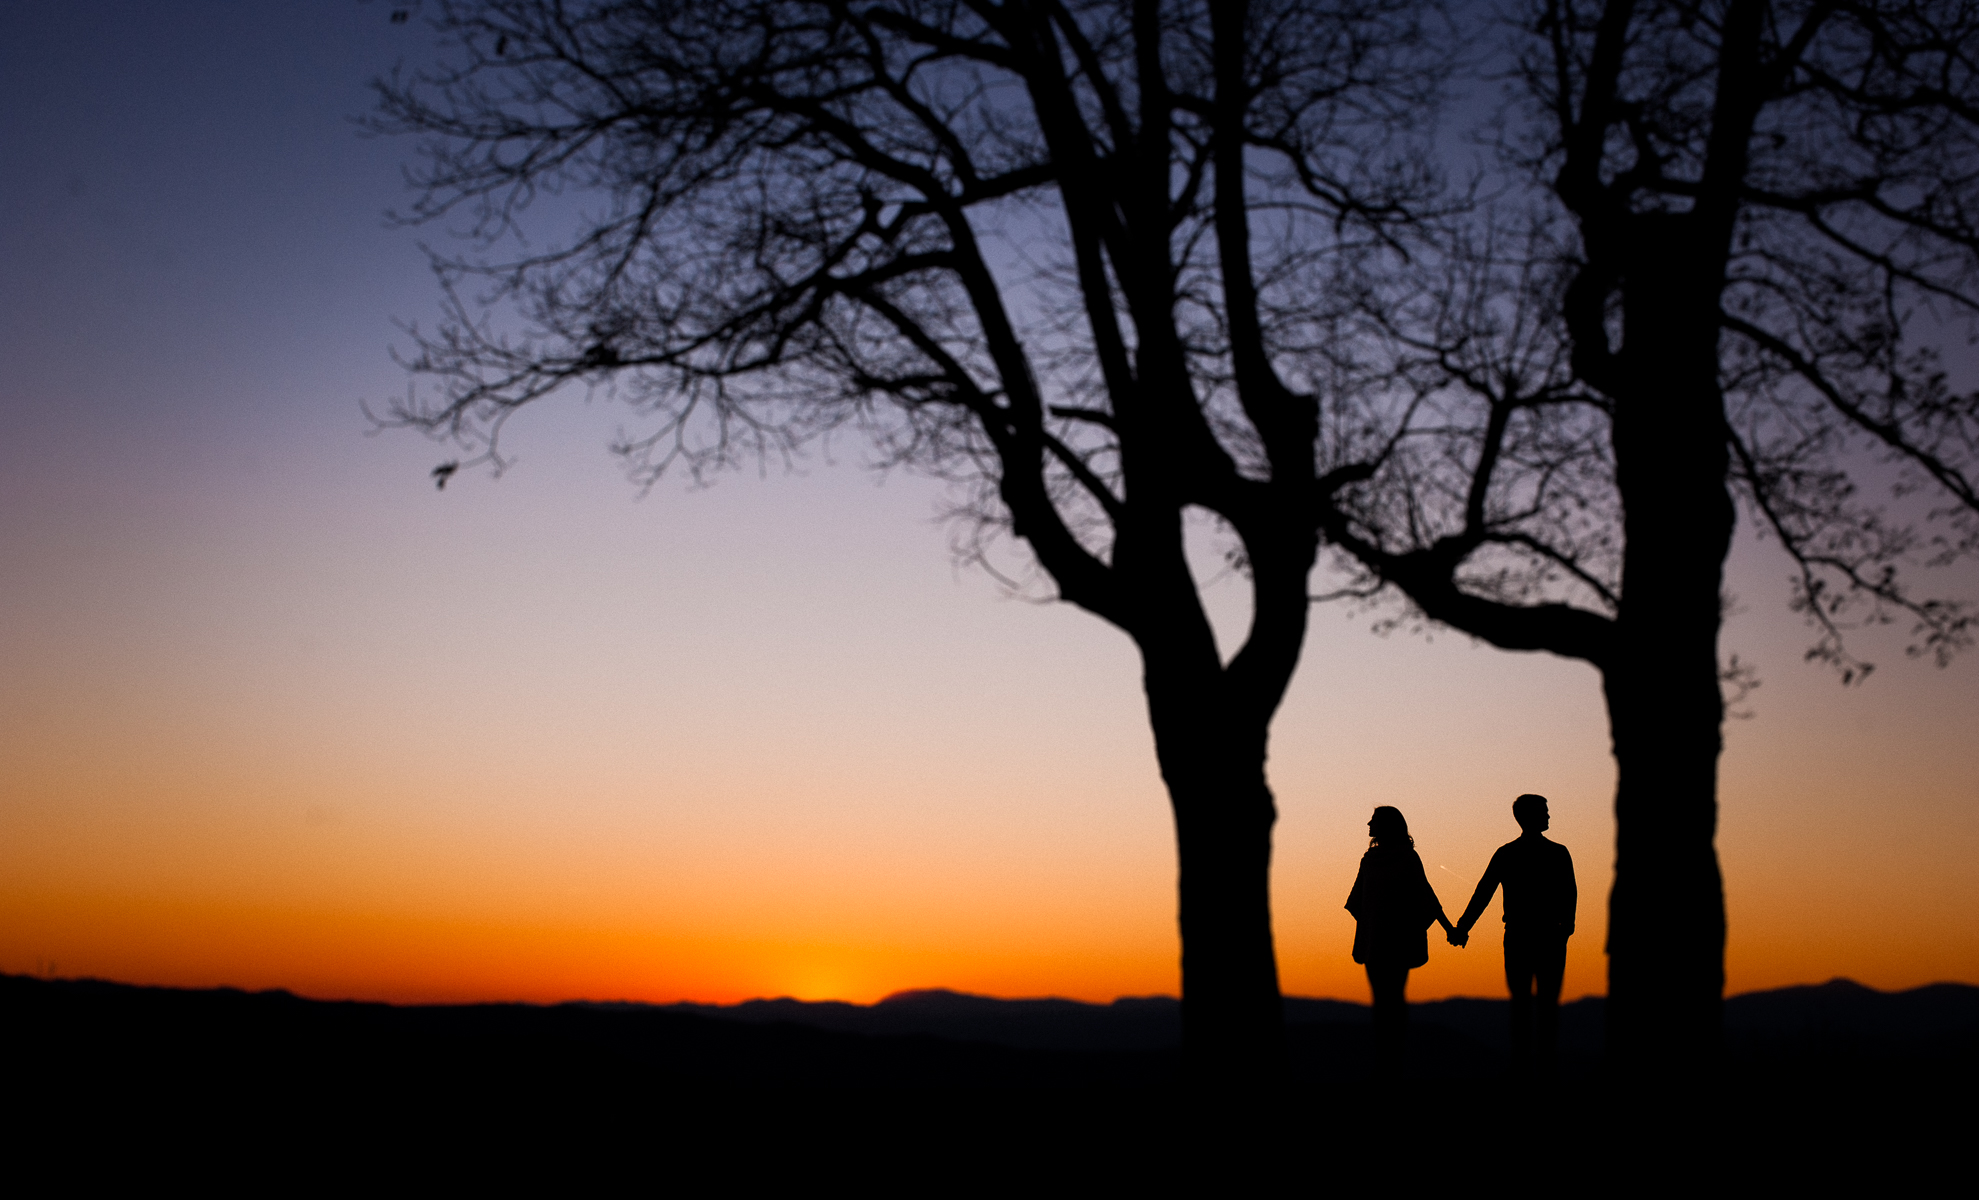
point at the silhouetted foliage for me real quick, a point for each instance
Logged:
(1072, 256)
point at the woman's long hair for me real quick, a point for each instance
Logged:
(1389, 827)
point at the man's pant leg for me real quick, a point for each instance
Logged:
(1518, 980)
(1549, 963)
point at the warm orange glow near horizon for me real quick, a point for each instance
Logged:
(899, 781)
(274, 712)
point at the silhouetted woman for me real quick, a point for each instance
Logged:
(1393, 906)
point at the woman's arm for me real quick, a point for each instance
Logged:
(1435, 902)
(1449, 930)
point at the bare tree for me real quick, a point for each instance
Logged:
(1057, 250)
(1753, 228)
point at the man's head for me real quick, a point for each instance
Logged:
(1530, 812)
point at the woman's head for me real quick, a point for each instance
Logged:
(1389, 828)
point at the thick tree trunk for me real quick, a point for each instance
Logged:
(1666, 915)
(1666, 919)
(1212, 757)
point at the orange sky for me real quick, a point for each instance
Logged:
(275, 713)
(533, 739)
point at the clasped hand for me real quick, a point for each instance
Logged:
(1458, 936)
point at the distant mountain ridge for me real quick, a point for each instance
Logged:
(1838, 1009)
(932, 1036)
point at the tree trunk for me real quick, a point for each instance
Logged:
(1212, 756)
(1666, 916)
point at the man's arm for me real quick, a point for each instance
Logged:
(1573, 890)
(1482, 896)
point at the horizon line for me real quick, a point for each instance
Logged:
(902, 994)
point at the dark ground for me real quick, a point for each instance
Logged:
(1817, 1085)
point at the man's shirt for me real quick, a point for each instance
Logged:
(1538, 878)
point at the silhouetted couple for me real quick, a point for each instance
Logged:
(1394, 906)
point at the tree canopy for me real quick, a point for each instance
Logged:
(1846, 239)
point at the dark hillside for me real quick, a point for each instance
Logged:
(919, 1038)
(84, 1028)
(1816, 1076)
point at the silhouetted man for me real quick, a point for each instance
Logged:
(1540, 898)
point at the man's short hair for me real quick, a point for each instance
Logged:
(1527, 803)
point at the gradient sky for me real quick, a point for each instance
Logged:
(276, 713)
